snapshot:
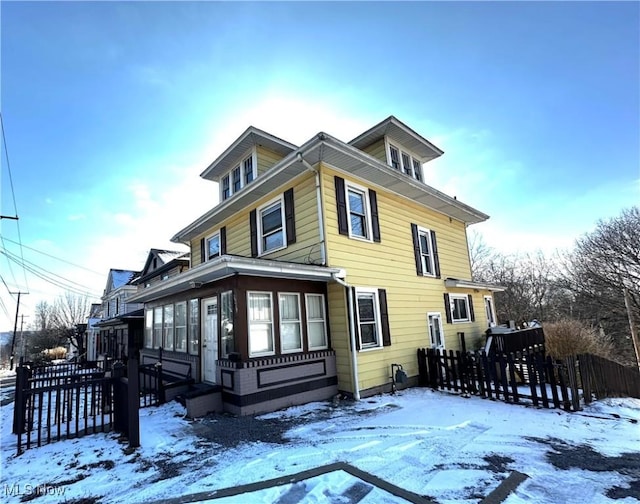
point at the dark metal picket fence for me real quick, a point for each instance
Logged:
(71, 400)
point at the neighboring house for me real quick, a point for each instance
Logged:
(93, 332)
(119, 315)
(321, 266)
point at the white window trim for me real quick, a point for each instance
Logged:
(309, 321)
(432, 259)
(367, 211)
(439, 318)
(185, 326)
(299, 322)
(206, 244)
(466, 301)
(260, 354)
(251, 153)
(376, 313)
(280, 199)
(493, 311)
(388, 143)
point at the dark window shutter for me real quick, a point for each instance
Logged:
(289, 216)
(447, 308)
(223, 240)
(203, 257)
(354, 314)
(253, 228)
(375, 223)
(384, 317)
(472, 315)
(416, 249)
(341, 202)
(436, 260)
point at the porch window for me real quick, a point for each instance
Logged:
(491, 314)
(181, 326)
(271, 227)
(436, 337)
(157, 327)
(368, 318)
(290, 323)
(260, 311)
(194, 326)
(168, 327)
(226, 323)
(148, 329)
(316, 321)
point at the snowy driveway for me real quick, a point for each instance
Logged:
(442, 447)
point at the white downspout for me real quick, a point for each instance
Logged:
(323, 252)
(352, 335)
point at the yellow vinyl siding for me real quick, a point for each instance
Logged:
(266, 159)
(305, 250)
(390, 265)
(339, 329)
(377, 150)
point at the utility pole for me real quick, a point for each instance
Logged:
(22, 338)
(15, 327)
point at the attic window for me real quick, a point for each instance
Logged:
(239, 176)
(404, 161)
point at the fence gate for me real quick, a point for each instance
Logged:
(68, 401)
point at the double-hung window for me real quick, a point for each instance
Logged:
(426, 252)
(460, 308)
(357, 209)
(394, 157)
(271, 227)
(237, 179)
(148, 329)
(249, 175)
(290, 322)
(489, 309)
(194, 326)
(316, 321)
(157, 327)
(260, 315)
(213, 246)
(226, 188)
(436, 336)
(368, 315)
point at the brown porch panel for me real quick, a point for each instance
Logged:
(269, 384)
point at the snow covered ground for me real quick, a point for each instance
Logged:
(441, 446)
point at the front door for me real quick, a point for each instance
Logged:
(209, 339)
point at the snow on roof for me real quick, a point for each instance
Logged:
(167, 256)
(121, 277)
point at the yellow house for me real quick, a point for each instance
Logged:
(322, 265)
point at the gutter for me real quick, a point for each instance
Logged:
(352, 337)
(323, 244)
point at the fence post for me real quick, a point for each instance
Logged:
(20, 405)
(133, 397)
(119, 398)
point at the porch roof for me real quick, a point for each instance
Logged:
(470, 284)
(121, 319)
(228, 265)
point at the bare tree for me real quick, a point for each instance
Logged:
(43, 316)
(69, 310)
(604, 266)
(481, 256)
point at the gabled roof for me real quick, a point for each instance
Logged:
(249, 139)
(164, 261)
(403, 134)
(117, 278)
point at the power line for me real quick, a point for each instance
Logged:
(54, 257)
(47, 276)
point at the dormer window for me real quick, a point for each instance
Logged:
(404, 161)
(237, 178)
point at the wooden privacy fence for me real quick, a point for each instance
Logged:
(520, 378)
(71, 400)
(603, 378)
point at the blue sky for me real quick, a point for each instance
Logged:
(111, 110)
